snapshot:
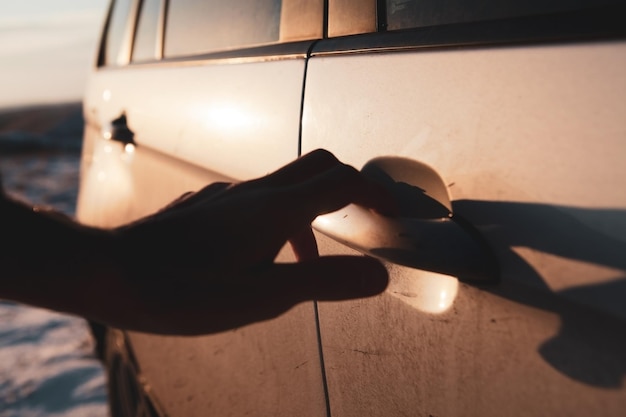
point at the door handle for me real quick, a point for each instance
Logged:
(119, 131)
(426, 234)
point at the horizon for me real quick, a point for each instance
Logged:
(46, 50)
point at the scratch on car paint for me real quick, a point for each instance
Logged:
(365, 352)
(406, 293)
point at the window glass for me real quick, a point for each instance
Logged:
(115, 38)
(147, 33)
(197, 26)
(403, 14)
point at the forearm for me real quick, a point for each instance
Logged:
(50, 261)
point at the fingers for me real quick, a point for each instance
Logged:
(302, 169)
(179, 201)
(190, 198)
(304, 245)
(336, 188)
(330, 278)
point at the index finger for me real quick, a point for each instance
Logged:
(299, 170)
(338, 187)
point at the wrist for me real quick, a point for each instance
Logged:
(53, 262)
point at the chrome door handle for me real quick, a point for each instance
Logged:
(426, 235)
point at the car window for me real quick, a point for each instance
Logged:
(117, 27)
(147, 42)
(405, 14)
(200, 26)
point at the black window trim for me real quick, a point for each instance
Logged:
(102, 44)
(592, 24)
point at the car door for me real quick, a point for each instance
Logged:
(508, 119)
(187, 93)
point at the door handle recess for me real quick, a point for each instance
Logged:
(426, 235)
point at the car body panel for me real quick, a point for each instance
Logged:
(530, 142)
(204, 122)
(523, 123)
(206, 113)
(239, 119)
(270, 368)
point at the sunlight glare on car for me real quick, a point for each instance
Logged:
(227, 117)
(108, 183)
(425, 291)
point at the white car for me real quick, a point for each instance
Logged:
(499, 125)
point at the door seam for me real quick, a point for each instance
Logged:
(315, 305)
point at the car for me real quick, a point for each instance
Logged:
(499, 127)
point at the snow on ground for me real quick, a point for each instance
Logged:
(47, 365)
(47, 361)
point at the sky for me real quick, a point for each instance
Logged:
(47, 48)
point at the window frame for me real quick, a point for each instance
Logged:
(160, 31)
(125, 51)
(584, 25)
(290, 48)
(344, 36)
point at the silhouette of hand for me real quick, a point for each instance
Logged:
(206, 262)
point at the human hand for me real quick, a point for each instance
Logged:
(205, 263)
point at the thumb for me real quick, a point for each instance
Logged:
(329, 278)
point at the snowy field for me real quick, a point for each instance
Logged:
(47, 361)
